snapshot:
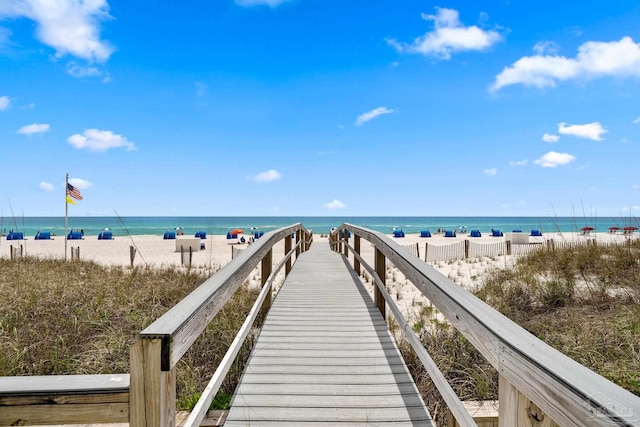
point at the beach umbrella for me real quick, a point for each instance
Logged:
(237, 231)
(587, 229)
(630, 228)
(614, 228)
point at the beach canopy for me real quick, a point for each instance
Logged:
(587, 229)
(630, 228)
(614, 228)
(237, 231)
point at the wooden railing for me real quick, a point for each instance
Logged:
(147, 396)
(538, 385)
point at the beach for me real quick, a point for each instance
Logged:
(154, 251)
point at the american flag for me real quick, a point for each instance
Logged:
(73, 192)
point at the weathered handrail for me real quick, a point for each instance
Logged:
(161, 345)
(446, 391)
(202, 406)
(529, 369)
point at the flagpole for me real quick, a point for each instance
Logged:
(66, 215)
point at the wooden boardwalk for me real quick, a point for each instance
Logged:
(325, 356)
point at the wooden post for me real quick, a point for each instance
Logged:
(466, 248)
(265, 271)
(356, 248)
(346, 242)
(508, 247)
(516, 409)
(418, 249)
(132, 254)
(426, 251)
(381, 271)
(298, 235)
(287, 248)
(152, 390)
(507, 402)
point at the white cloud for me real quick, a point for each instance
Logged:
(45, 186)
(80, 183)
(270, 3)
(5, 103)
(636, 121)
(547, 137)
(267, 176)
(491, 172)
(448, 36)
(370, 115)
(99, 140)
(335, 204)
(518, 163)
(34, 128)
(71, 27)
(553, 159)
(594, 59)
(592, 131)
(79, 72)
(545, 47)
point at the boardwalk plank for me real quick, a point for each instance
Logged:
(325, 356)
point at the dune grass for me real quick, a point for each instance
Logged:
(60, 318)
(582, 300)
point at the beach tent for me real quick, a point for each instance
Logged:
(476, 233)
(74, 235)
(425, 233)
(169, 235)
(43, 235)
(398, 233)
(105, 235)
(449, 233)
(586, 230)
(201, 234)
(536, 233)
(496, 233)
(15, 235)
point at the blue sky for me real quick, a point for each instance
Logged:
(310, 107)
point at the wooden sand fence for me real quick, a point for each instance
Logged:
(538, 385)
(470, 249)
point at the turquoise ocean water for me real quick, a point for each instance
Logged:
(153, 225)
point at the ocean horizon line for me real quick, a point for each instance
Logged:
(220, 225)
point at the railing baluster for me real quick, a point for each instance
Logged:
(381, 271)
